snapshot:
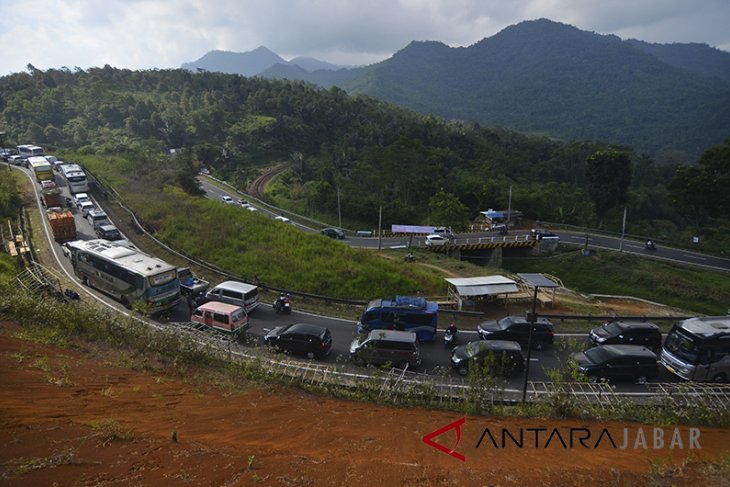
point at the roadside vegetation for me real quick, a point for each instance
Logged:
(252, 245)
(82, 325)
(132, 344)
(623, 274)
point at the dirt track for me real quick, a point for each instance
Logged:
(71, 419)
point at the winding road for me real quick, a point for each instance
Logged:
(435, 356)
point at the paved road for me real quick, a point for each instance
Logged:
(436, 358)
(567, 237)
(662, 252)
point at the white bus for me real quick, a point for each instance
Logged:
(75, 178)
(28, 150)
(42, 169)
(125, 273)
(698, 349)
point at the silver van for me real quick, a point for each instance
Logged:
(234, 292)
(97, 218)
(398, 348)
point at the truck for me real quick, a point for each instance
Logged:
(63, 225)
(41, 168)
(53, 198)
(191, 286)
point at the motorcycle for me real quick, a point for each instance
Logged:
(450, 338)
(282, 305)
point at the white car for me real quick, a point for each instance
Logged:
(80, 198)
(436, 240)
(85, 207)
(250, 208)
(282, 218)
(227, 199)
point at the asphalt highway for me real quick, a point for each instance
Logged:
(436, 358)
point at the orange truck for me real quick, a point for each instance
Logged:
(53, 198)
(63, 225)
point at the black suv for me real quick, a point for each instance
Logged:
(517, 329)
(335, 233)
(108, 232)
(300, 338)
(618, 363)
(500, 356)
(628, 333)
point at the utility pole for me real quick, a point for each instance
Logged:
(339, 212)
(623, 231)
(509, 206)
(380, 228)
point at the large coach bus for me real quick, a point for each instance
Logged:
(404, 313)
(125, 273)
(75, 178)
(28, 150)
(698, 349)
(42, 169)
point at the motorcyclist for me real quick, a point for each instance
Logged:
(452, 330)
(650, 245)
(279, 303)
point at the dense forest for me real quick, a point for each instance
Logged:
(669, 102)
(419, 169)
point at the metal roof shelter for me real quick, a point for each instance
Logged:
(535, 281)
(480, 286)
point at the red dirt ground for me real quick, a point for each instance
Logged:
(68, 418)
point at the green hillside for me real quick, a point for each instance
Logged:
(418, 169)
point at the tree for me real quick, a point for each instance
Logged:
(702, 190)
(447, 210)
(608, 174)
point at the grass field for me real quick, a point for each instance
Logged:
(251, 245)
(606, 272)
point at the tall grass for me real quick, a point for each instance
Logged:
(607, 272)
(252, 245)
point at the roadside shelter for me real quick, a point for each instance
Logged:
(470, 289)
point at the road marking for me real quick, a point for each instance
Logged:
(693, 257)
(534, 359)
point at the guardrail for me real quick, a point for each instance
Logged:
(212, 267)
(441, 390)
(614, 317)
(445, 390)
(630, 236)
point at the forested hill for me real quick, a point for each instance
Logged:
(418, 168)
(550, 78)
(374, 152)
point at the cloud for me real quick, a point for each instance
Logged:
(143, 34)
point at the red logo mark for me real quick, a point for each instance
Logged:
(428, 439)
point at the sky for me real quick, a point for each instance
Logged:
(148, 34)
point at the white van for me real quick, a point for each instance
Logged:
(234, 292)
(97, 218)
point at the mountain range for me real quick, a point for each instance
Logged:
(668, 101)
(253, 63)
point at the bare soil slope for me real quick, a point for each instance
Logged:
(69, 418)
